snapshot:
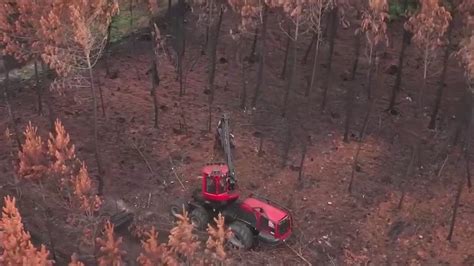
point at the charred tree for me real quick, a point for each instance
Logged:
(308, 50)
(254, 43)
(38, 88)
(261, 56)
(333, 23)
(349, 111)
(357, 42)
(180, 43)
(287, 50)
(291, 79)
(401, 57)
(407, 174)
(442, 78)
(212, 63)
(155, 78)
(106, 50)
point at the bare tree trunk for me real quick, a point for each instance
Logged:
(243, 99)
(155, 81)
(455, 208)
(303, 156)
(287, 50)
(442, 78)
(11, 115)
(38, 89)
(96, 142)
(315, 67)
(462, 114)
(212, 63)
(349, 111)
(369, 72)
(106, 50)
(181, 44)
(291, 80)
(357, 41)
(287, 143)
(169, 6)
(254, 43)
(261, 61)
(423, 85)
(101, 95)
(401, 57)
(133, 38)
(333, 22)
(310, 47)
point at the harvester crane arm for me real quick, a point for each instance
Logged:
(224, 135)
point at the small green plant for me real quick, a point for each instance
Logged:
(396, 10)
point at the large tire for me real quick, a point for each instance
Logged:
(177, 209)
(242, 237)
(199, 218)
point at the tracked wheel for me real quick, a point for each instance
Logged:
(242, 237)
(199, 218)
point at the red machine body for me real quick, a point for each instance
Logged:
(252, 217)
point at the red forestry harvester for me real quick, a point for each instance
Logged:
(249, 219)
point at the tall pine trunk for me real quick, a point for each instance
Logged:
(355, 64)
(106, 50)
(261, 61)
(96, 141)
(422, 88)
(287, 51)
(401, 58)
(155, 78)
(254, 43)
(212, 64)
(310, 88)
(333, 26)
(309, 49)
(349, 111)
(38, 89)
(442, 78)
(291, 79)
(181, 44)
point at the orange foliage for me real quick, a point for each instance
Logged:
(19, 21)
(374, 22)
(155, 253)
(88, 201)
(182, 241)
(33, 163)
(429, 25)
(60, 149)
(15, 243)
(217, 238)
(75, 261)
(110, 253)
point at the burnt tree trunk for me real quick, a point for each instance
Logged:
(401, 57)
(155, 77)
(101, 95)
(11, 114)
(38, 88)
(349, 110)
(287, 143)
(455, 208)
(442, 78)
(291, 79)
(212, 63)
(308, 50)
(180, 44)
(333, 22)
(130, 7)
(254, 43)
(462, 117)
(96, 141)
(287, 51)
(243, 94)
(106, 50)
(303, 156)
(261, 56)
(355, 64)
(468, 172)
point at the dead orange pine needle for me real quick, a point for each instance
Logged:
(155, 253)
(33, 163)
(15, 242)
(217, 237)
(110, 252)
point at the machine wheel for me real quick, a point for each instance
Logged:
(242, 237)
(177, 208)
(199, 218)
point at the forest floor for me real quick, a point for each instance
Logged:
(332, 226)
